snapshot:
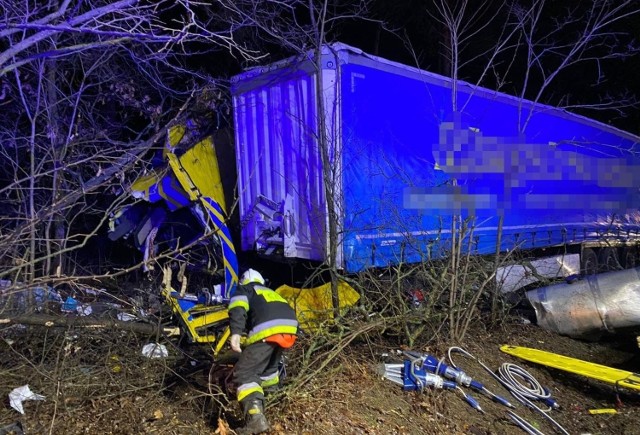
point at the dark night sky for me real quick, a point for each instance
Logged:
(411, 36)
(616, 77)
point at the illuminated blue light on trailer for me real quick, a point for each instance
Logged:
(404, 163)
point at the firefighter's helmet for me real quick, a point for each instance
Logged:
(250, 276)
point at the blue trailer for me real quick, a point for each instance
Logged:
(406, 163)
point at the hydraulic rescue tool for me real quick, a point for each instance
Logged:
(414, 375)
(414, 378)
(436, 366)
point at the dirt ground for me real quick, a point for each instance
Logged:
(98, 382)
(357, 401)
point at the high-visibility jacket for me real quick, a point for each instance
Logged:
(261, 313)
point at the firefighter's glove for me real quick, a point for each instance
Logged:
(235, 343)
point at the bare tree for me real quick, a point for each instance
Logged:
(526, 49)
(163, 28)
(537, 45)
(88, 89)
(587, 36)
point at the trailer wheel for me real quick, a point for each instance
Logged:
(630, 257)
(609, 260)
(588, 262)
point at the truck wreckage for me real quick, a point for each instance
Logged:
(404, 161)
(190, 181)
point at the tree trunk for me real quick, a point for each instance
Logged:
(49, 321)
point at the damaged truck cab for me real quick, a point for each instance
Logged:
(185, 193)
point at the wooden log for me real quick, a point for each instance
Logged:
(50, 321)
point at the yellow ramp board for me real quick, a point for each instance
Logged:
(621, 378)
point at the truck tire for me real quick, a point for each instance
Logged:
(588, 262)
(630, 257)
(609, 260)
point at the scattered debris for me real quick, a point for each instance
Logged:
(201, 322)
(589, 307)
(12, 429)
(20, 394)
(155, 350)
(84, 310)
(15, 296)
(603, 411)
(70, 305)
(126, 317)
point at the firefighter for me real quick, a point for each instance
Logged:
(270, 326)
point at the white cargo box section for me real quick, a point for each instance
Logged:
(281, 190)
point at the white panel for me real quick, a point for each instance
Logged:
(277, 156)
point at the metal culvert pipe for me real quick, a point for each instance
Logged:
(606, 302)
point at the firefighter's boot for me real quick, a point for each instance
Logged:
(255, 421)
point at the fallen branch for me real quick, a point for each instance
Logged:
(86, 322)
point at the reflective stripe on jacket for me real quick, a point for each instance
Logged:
(261, 312)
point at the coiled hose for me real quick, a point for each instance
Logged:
(523, 385)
